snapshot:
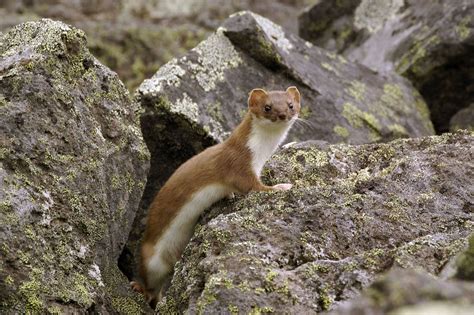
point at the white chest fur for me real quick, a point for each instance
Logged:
(264, 139)
(169, 247)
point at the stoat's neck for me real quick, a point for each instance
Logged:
(263, 139)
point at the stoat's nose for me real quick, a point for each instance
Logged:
(282, 116)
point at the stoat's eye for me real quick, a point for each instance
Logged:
(290, 105)
(268, 108)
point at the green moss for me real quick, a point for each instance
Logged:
(23, 257)
(305, 112)
(5, 207)
(330, 68)
(30, 291)
(352, 115)
(412, 60)
(82, 294)
(270, 276)
(250, 222)
(234, 310)
(4, 153)
(324, 300)
(206, 298)
(126, 305)
(357, 90)
(357, 119)
(216, 55)
(55, 310)
(463, 29)
(398, 130)
(315, 268)
(3, 102)
(341, 131)
(393, 98)
(30, 233)
(9, 280)
(115, 181)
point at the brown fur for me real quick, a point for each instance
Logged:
(228, 163)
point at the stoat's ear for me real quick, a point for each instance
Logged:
(294, 93)
(256, 97)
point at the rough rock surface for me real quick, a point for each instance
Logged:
(354, 212)
(404, 292)
(195, 101)
(464, 119)
(73, 166)
(134, 38)
(431, 43)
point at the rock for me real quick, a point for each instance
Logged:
(353, 213)
(403, 292)
(210, 14)
(430, 43)
(464, 119)
(135, 38)
(73, 166)
(465, 262)
(329, 25)
(197, 100)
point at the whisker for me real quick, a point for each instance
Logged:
(305, 123)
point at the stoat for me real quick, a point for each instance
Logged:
(231, 166)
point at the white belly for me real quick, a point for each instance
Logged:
(175, 238)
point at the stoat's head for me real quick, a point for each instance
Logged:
(275, 107)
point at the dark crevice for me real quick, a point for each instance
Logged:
(448, 88)
(171, 140)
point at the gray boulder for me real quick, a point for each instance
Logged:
(430, 43)
(197, 100)
(73, 167)
(464, 119)
(353, 213)
(404, 292)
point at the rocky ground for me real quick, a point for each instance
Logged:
(382, 209)
(354, 212)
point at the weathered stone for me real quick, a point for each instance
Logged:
(464, 119)
(431, 43)
(403, 292)
(353, 213)
(196, 100)
(73, 166)
(135, 38)
(465, 261)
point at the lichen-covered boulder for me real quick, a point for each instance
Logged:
(73, 166)
(464, 119)
(198, 99)
(404, 292)
(465, 262)
(431, 43)
(353, 212)
(123, 35)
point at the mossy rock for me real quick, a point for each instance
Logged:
(464, 119)
(430, 43)
(73, 166)
(403, 292)
(465, 262)
(353, 213)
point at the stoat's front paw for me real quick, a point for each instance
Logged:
(282, 187)
(135, 286)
